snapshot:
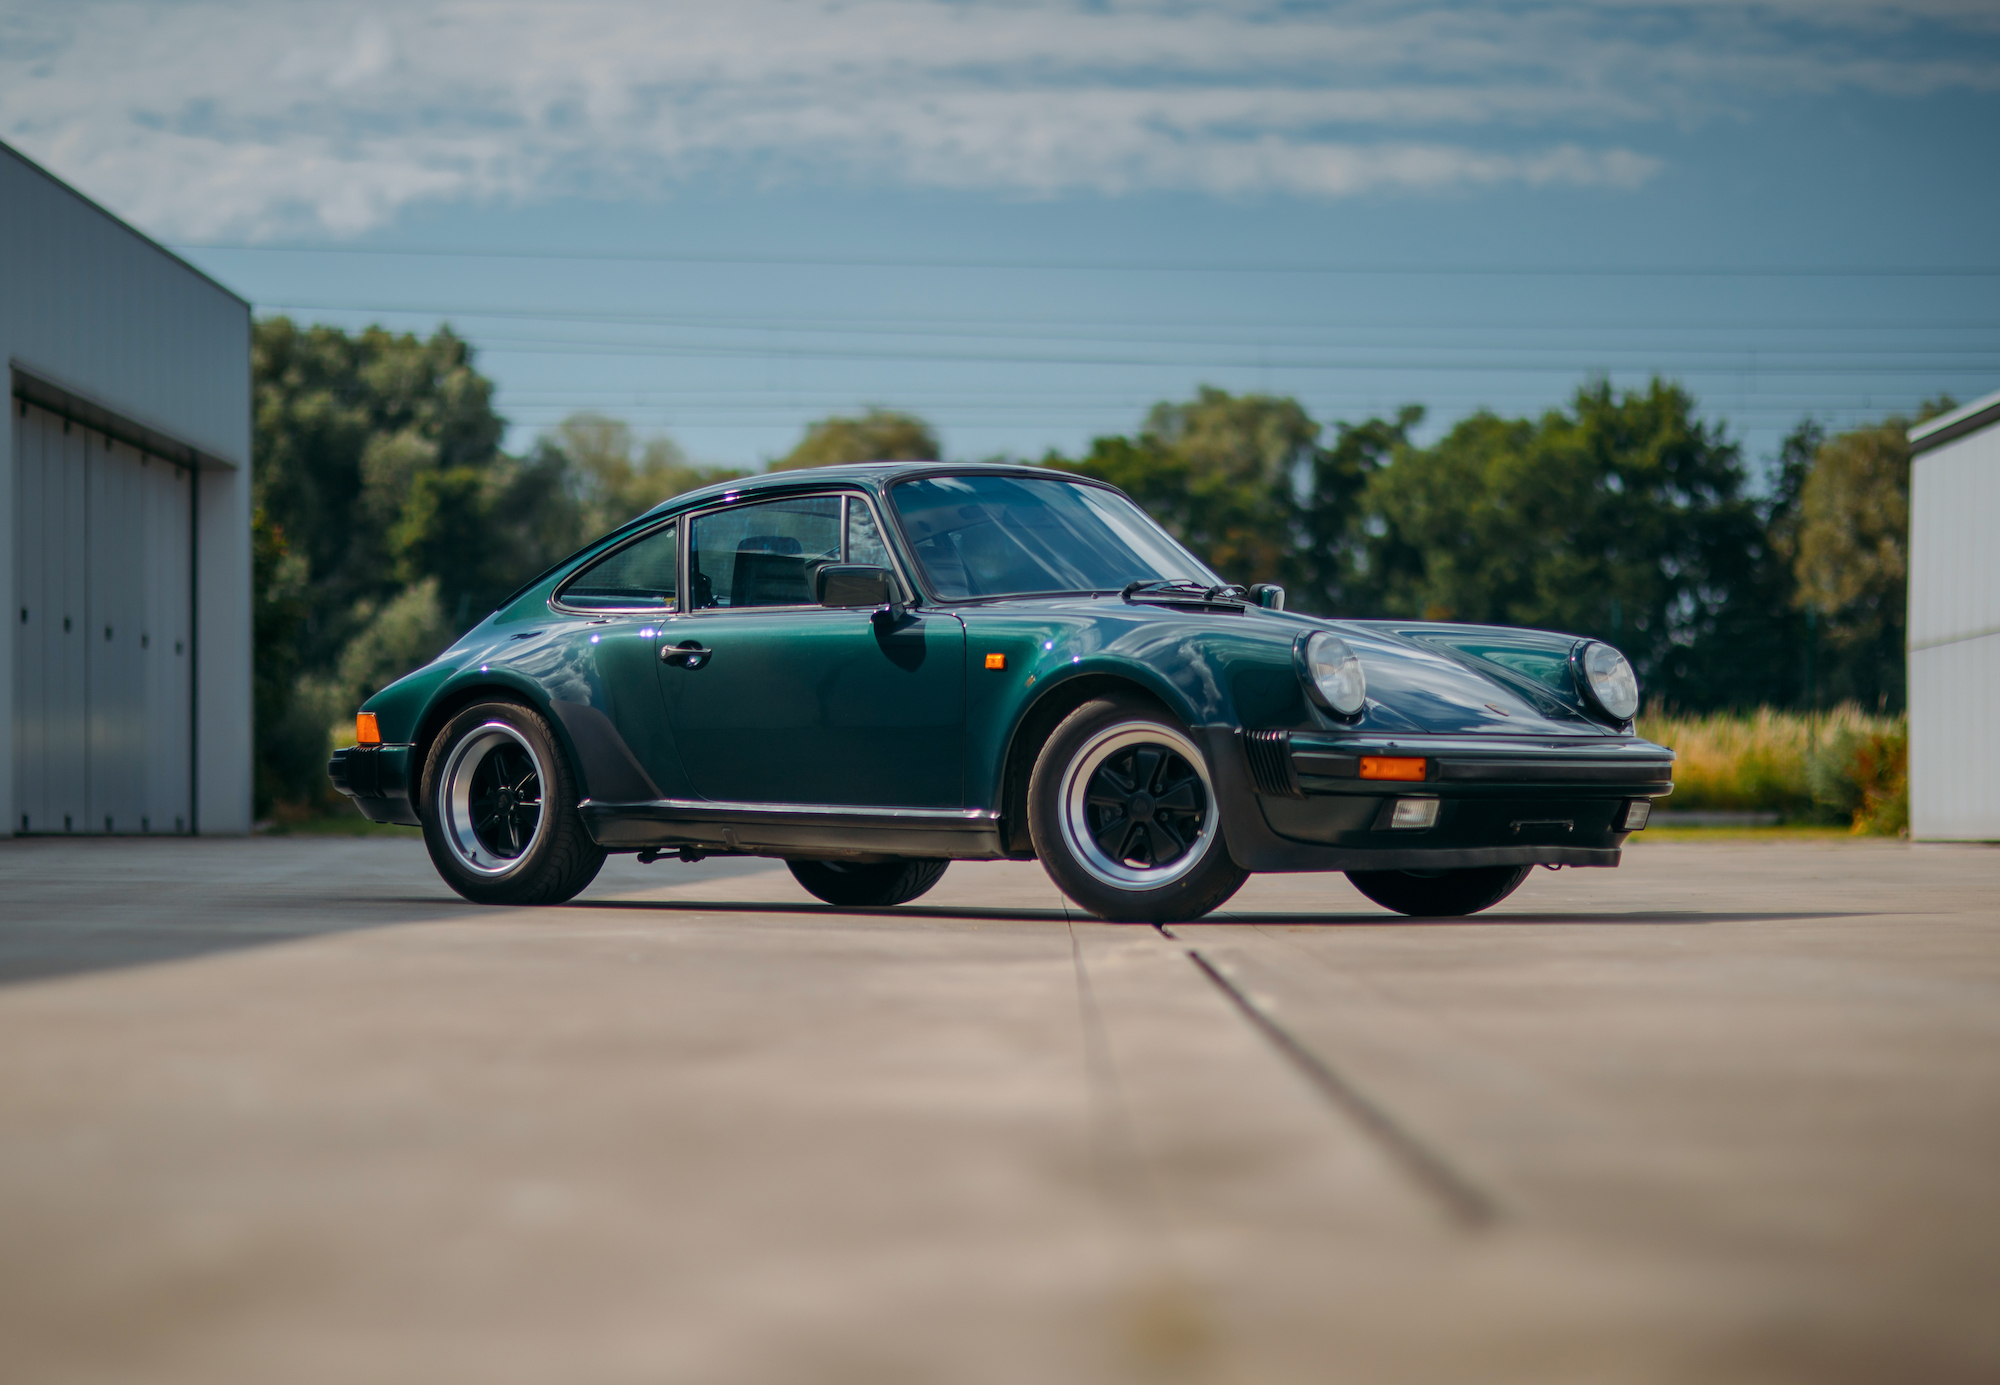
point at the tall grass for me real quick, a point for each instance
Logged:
(1842, 765)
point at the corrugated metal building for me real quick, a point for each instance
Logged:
(1955, 625)
(125, 545)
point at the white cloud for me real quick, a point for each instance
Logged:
(207, 118)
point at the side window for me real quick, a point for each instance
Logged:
(639, 575)
(762, 555)
(864, 540)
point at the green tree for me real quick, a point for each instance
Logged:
(1223, 473)
(1756, 652)
(1851, 558)
(1622, 518)
(345, 424)
(1330, 573)
(879, 435)
(285, 751)
(613, 476)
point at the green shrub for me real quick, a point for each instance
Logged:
(1839, 766)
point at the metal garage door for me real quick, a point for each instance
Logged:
(104, 653)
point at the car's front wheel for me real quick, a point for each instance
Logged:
(867, 885)
(1439, 894)
(1124, 815)
(499, 810)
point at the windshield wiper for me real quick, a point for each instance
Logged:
(1182, 588)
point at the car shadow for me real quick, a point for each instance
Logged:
(46, 949)
(907, 911)
(1679, 917)
(1572, 920)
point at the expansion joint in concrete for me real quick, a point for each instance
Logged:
(1462, 1200)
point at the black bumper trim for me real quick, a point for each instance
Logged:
(377, 778)
(1255, 846)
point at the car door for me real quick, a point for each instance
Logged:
(773, 698)
(601, 674)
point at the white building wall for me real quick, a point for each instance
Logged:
(1954, 628)
(92, 307)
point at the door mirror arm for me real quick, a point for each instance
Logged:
(890, 614)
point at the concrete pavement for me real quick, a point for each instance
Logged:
(288, 1110)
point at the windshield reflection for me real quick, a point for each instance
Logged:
(985, 536)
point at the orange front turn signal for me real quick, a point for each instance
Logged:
(996, 661)
(366, 731)
(1392, 767)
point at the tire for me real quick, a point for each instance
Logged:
(499, 810)
(876, 885)
(1447, 894)
(1124, 816)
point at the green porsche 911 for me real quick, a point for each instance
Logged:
(872, 671)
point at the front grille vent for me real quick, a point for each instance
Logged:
(1271, 763)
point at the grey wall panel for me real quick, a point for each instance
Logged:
(69, 700)
(117, 692)
(102, 654)
(1955, 741)
(89, 303)
(163, 647)
(30, 621)
(1954, 632)
(92, 307)
(222, 639)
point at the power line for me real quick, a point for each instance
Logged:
(864, 329)
(855, 322)
(511, 346)
(1385, 268)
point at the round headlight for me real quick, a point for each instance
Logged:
(1336, 673)
(1610, 681)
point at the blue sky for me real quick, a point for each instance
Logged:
(1027, 222)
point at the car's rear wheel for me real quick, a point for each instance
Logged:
(1124, 815)
(1439, 894)
(873, 885)
(499, 810)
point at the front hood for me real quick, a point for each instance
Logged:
(1441, 679)
(1425, 685)
(1419, 681)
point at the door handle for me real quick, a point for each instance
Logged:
(686, 654)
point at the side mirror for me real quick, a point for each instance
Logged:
(851, 585)
(1269, 595)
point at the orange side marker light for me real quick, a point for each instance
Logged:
(996, 661)
(366, 731)
(1392, 767)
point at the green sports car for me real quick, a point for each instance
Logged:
(872, 671)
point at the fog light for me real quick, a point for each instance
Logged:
(1636, 813)
(1415, 813)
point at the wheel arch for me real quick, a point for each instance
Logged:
(1037, 723)
(454, 699)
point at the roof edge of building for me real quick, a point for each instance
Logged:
(128, 227)
(1970, 418)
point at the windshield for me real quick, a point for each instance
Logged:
(1009, 535)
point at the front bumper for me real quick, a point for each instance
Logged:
(1295, 802)
(377, 778)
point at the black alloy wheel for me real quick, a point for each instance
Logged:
(506, 801)
(1124, 816)
(1144, 807)
(498, 803)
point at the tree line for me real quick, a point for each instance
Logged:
(388, 520)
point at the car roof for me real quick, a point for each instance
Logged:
(873, 475)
